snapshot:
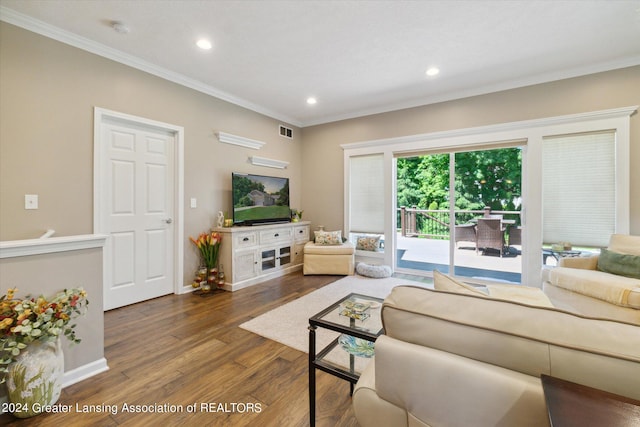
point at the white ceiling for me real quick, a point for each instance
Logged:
(355, 57)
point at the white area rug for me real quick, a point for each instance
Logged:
(288, 323)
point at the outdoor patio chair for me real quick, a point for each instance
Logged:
(465, 233)
(490, 235)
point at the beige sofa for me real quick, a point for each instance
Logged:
(578, 285)
(459, 359)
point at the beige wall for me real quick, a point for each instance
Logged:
(323, 158)
(49, 91)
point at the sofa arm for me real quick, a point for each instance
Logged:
(440, 388)
(583, 263)
(369, 408)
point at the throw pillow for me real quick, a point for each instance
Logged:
(368, 243)
(520, 294)
(619, 264)
(442, 282)
(325, 238)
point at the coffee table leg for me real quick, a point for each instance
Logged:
(352, 367)
(312, 376)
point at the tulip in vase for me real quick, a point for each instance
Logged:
(209, 247)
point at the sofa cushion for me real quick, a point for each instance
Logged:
(442, 282)
(585, 263)
(619, 290)
(346, 248)
(620, 264)
(517, 293)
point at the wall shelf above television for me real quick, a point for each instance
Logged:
(228, 138)
(270, 163)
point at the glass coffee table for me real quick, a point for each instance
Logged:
(357, 318)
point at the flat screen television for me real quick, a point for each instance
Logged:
(259, 199)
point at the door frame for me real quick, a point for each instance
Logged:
(101, 116)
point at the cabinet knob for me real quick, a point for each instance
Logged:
(246, 239)
(276, 235)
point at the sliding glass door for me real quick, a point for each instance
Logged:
(459, 212)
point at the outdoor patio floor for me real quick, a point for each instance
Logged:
(431, 254)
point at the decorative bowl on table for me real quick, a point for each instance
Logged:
(356, 346)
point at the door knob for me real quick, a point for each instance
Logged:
(168, 220)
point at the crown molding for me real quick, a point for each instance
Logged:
(602, 67)
(500, 127)
(15, 18)
(28, 23)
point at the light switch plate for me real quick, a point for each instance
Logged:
(31, 201)
(194, 202)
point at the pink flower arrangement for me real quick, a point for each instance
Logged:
(209, 246)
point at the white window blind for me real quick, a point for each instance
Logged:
(366, 194)
(579, 188)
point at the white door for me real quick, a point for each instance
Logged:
(137, 211)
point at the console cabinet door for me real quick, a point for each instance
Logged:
(245, 265)
(284, 256)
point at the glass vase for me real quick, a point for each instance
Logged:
(213, 276)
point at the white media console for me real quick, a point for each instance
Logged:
(250, 255)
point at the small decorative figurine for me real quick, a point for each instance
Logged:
(220, 219)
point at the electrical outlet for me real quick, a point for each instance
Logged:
(31, 201)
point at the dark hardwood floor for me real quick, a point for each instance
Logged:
(188, 349)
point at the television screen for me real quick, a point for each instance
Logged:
(259, 199)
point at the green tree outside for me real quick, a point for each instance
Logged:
(482, 178)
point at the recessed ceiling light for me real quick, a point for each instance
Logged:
(433, 71)
(312, 101)
(204, 44)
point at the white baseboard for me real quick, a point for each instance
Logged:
(83, 372)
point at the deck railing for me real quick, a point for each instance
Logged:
(435, 224)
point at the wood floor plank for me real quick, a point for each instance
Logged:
(188, 349)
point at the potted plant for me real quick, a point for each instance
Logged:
(296, 215)
(209, 247)
(31, 359)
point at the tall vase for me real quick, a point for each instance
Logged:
(34, 379)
